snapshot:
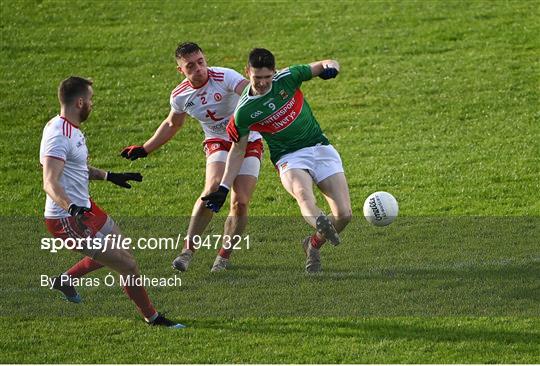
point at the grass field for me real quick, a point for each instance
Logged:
(437, 103)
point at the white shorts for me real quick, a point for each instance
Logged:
(250, 166)
(321, 161)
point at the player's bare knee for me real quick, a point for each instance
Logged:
(129, 266)
(344, 217)
(209, 188)
(239, 207)
(303, 195)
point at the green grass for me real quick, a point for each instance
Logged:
(437, 103)
(277, 340)
(429, 290)
(409, 269)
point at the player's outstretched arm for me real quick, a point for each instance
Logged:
(326, 69)
(166, 131)
(235, 158)
(120, 179)
(96, 174)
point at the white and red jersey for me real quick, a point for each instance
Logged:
(212, 104)
(64, 141)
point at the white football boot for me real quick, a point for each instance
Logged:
(220, 264)
(181, 263)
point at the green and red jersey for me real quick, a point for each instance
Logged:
(282, 116)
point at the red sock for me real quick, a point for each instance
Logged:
(188, 244)
(224, 253)
(317, 242)
(138, 295)
(84, 266)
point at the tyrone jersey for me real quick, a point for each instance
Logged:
(62, 140)
(282, 116)
(211, 104)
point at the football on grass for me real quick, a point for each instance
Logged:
(380, 208)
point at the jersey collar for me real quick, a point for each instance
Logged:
(68, 121)
(198, 87)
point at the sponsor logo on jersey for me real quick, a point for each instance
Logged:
(189, 104)
(256, 114)
(283, 94)
(218, 97)
(283, 117)
(218, 127)
(81, 142)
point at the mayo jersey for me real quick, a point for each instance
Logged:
(62, 140)
(282, 115)
(211, 104)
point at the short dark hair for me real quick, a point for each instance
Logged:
(72, 88)
(261, 57)
(186, 48)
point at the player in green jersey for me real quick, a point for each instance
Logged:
(274, 105)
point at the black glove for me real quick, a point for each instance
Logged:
(134, 152)
(216, 199)
(78, 213)
(328, 73)
(120, 179)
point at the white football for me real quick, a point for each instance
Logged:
(380, 208)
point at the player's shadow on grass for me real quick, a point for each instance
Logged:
(256, 269)
(525, 271)
(378, 329)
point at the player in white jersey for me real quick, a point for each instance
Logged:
(71, 214)
(210, 95)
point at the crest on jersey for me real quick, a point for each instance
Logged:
(218, 97)
(283, 94)
(213, 116)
